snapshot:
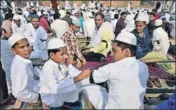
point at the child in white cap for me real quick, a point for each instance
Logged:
(58, 80)
(126, 78)
(24, 85)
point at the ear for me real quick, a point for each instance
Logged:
(51, 55)
(127, 52)
(13, 51)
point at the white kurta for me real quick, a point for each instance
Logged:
(127, 82)
(18, 30)
(88, 26)
(160, 35)
(59, 27)
(24, 87)
(40, 44)
(57, 84)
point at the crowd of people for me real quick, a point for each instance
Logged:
(132, 36)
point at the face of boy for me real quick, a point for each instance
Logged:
(140, 26)
(118, 53)
(60, 56)
(22, 48)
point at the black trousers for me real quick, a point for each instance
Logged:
(91, 56)
(3, 84)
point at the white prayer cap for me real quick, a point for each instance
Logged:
(127, 37)
(55, 43)
(142, 17)
(45, 12)
(15, 38)
(158, 22)
(16, 17)
(76, 22)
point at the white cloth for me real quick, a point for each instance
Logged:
(59, 31)
(57, 84)
(88, 26)
(114, 22)
(172, 33)
(16, 29)
(6, 58)
(167, 17)
(160, 35)
(97, 34)
(28, 33)
(40, 44)
(24, 87)
(127, 82)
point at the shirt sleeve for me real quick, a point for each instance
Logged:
(21, 84)
(43, 40)
(104, 43)
(76, 49)
(102, 74)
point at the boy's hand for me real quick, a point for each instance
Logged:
(85, 73)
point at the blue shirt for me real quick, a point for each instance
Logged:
(169, 104)
(81, 21)
(144, 45)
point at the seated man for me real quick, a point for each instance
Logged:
(100, 43)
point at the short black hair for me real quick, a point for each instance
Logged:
(123, 46)
(99, 14)
(56, 15)
(8, 15)
(123, 13)
(116, 16)
(53, 51)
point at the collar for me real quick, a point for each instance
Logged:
(125, 60)
(23, 59)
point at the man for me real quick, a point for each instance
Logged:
(67, 18)
(71, 42)
(17, 26)
(120, 23)
(44, 22)
(126, 78)
(39, 40)
(59, 26)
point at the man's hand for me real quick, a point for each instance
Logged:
(86, 51)
(69, 61)
(84, 62)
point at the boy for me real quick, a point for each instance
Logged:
(22, 76)
(58, 82)
(126, 78)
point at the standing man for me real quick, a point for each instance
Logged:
(120, 23)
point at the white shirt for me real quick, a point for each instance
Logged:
(160, 35)
(40, 44)
(28, 33)
(172, 33)
(59, 30)
(57, 84)
(24, 87)
(114, 22)
(16, 29)
(88, 26)
(127, 82)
